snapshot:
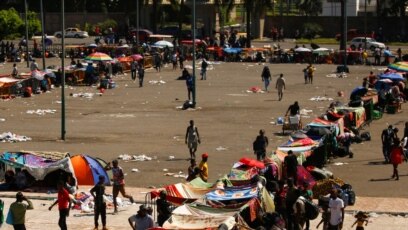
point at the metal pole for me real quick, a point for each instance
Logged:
(345, 33)
(194, 53)
(365, 25)
(63, 70)
(42, 33)
(26, 31)
(137, 23)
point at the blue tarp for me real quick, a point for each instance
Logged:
(392, 76)
(235, 193)
(232, 50)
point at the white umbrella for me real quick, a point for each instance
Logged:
(302, 49)
(38, 75)
(164, 43)
(321, 50)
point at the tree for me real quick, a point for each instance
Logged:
(224, 8)
(397, 8)
(10, 22)
(310, 7)
(34, 24)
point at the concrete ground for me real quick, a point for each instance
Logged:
(385, 213)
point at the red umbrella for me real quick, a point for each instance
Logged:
(137, 57)
(252, 162)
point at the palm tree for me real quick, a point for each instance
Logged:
(258, 7)
(223, 8)
(156, 5)
(310, 7)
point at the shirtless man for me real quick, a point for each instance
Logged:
(192, 139)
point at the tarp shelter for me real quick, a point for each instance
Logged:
(87, 170)
(195, 216)
(184, 192)
(395, 77)
(5, 85)
(38, 164)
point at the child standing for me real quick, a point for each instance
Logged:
(361, 217)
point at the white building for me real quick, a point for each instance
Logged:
(354, 7)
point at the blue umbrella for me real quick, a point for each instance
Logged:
(392, 76)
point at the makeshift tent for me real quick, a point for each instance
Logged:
(88, 169)
(299, 145)
(197, 216)
(184, 192)
(38, 164)
(232, 193)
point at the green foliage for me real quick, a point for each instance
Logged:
(10, 22)
(311, 30)
(34, 24)
(105, 25)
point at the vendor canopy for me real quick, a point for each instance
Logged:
(38, 164)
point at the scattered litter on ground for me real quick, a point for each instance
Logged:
(305, 111)
(41, 112)
(337, 75)
(319, 98)
(2, 119)
(135, 170)
(11, 137)
(155, 82)
(220, 148)
(177, 175)
(255, 89)
(85, 95)
(340, 163)
(127, 157)
(172, 157)
(237, 95)
(165, 170)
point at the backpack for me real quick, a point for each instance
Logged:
(366, 136)
(311, 209)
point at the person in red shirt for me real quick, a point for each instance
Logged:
(396, 157)
(63, 202)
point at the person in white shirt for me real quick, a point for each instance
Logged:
(142, 220)
(336, 206)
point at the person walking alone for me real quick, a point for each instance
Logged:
(396, 157)
(189, 83)
(133, 69)
(266, 77)
(18, 210)
(204, 65)
(260, 144)
(280, 86)
(118, 183)
(141, 73)
(192, 139)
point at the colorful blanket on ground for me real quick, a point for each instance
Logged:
(242, 173)
(234, 193)
(200, 217)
